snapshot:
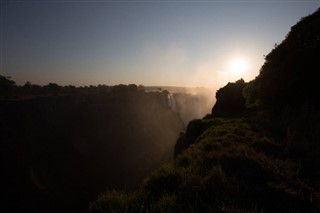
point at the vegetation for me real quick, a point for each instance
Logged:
(263, 158)
(231, 167)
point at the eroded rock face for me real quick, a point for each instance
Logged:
(230, 100)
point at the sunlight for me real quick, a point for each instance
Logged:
(238, 66)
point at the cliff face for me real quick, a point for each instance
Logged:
(67, 149)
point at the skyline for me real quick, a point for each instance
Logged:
(165, 43)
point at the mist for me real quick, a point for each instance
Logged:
(190, 102)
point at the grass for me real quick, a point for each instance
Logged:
(230, 167)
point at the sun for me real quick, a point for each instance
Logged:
(238, 66)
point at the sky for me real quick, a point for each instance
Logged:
(149, 42)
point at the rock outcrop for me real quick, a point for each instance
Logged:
(230, 100)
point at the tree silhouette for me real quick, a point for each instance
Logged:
(6, 85)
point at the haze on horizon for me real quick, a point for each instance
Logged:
(167, 43)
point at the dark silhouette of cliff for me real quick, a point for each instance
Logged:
(230, 100)
(286, 90)
(288, 76)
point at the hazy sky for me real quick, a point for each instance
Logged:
(182, 43)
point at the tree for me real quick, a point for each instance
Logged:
(6, 85)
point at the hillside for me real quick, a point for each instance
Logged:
(260, 155)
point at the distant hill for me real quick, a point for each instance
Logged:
(257, 152)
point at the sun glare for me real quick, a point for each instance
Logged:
(238, 66)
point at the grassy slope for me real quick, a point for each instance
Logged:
(232, 167)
